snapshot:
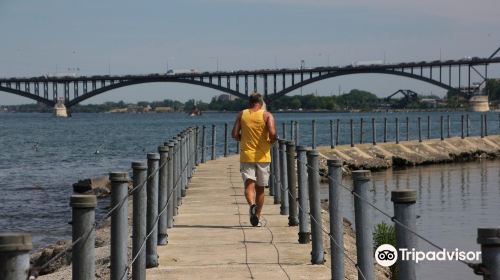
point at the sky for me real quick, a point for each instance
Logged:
(139, 37)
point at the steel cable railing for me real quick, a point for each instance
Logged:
(335, 242)
(352, 192)
(34, 271)
(162, 211)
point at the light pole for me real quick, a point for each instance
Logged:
(216, 60)
(169, 62)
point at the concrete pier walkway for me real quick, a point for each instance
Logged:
(213, 239)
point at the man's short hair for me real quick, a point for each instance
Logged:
(255, 98)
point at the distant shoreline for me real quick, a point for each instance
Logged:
(276, 111)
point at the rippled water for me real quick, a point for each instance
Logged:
(42, 156)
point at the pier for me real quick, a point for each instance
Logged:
(213, 238)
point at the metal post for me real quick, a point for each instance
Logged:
(276, 172)
(404, 211)
(449, 126)
(203, 144)
(489, 239)
(293, 219)
(304, 233)
(272, 179)
(292, 131)
(297, 138)
(119, 224)
(213, 142)
(337, 133)
(336, 218)
(162, 195)
(139, 220)
(225, 140)
(188, 156)
(170, 184)
(175, 177)
(332, 144)
(428, 127)
(352, 134)
(15, 255)
(364, 227)
(178, 178)
(485, 125)
(419, 130)
(284, 177)
(482, 126)
(238, 147)
(317, 254)
(197, 146)
(284, 130)
(183, 165)
(313, 145)
(374, 132)
(407, 129)
(296, 133)
(397, 130)
(152, 211)
(361, 131)
(385, 130)
(467, 125)
(462, 127)
(83, 253)
(441, 125)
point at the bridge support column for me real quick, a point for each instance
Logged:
(60, 110)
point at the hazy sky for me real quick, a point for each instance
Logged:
(128, 37)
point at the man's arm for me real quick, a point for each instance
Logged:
(270, 126)
(236, 128)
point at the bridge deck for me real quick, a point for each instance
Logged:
(213, 239)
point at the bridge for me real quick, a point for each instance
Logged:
(273, 83)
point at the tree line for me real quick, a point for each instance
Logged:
(353, 100)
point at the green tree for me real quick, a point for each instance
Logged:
(295, 103)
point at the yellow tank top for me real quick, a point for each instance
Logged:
(255, 146)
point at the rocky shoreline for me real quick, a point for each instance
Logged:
(101, 187)
(411, 153)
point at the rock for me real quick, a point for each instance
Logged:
(82, 186)
(99, 186)
(45, 254)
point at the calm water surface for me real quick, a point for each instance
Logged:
(453, 201)
(42, 156)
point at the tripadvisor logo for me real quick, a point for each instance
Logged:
(387, 255)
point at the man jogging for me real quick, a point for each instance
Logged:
(254, 128)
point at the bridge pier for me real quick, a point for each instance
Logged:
(60, 110)
(479, 103)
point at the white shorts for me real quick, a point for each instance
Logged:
(256, 171)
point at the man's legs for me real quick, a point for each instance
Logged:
(259, 199)
(250, 196)
(250, 191)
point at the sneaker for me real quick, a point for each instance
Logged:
(254, 220)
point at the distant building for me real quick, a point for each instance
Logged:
(226, 97)
(430, 102)
(138, 109)
(163, 109)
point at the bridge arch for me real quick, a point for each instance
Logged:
(158, 80)
(353, 72)
(35, 97)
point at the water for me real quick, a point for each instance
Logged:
(453, 201)
(42, 156)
